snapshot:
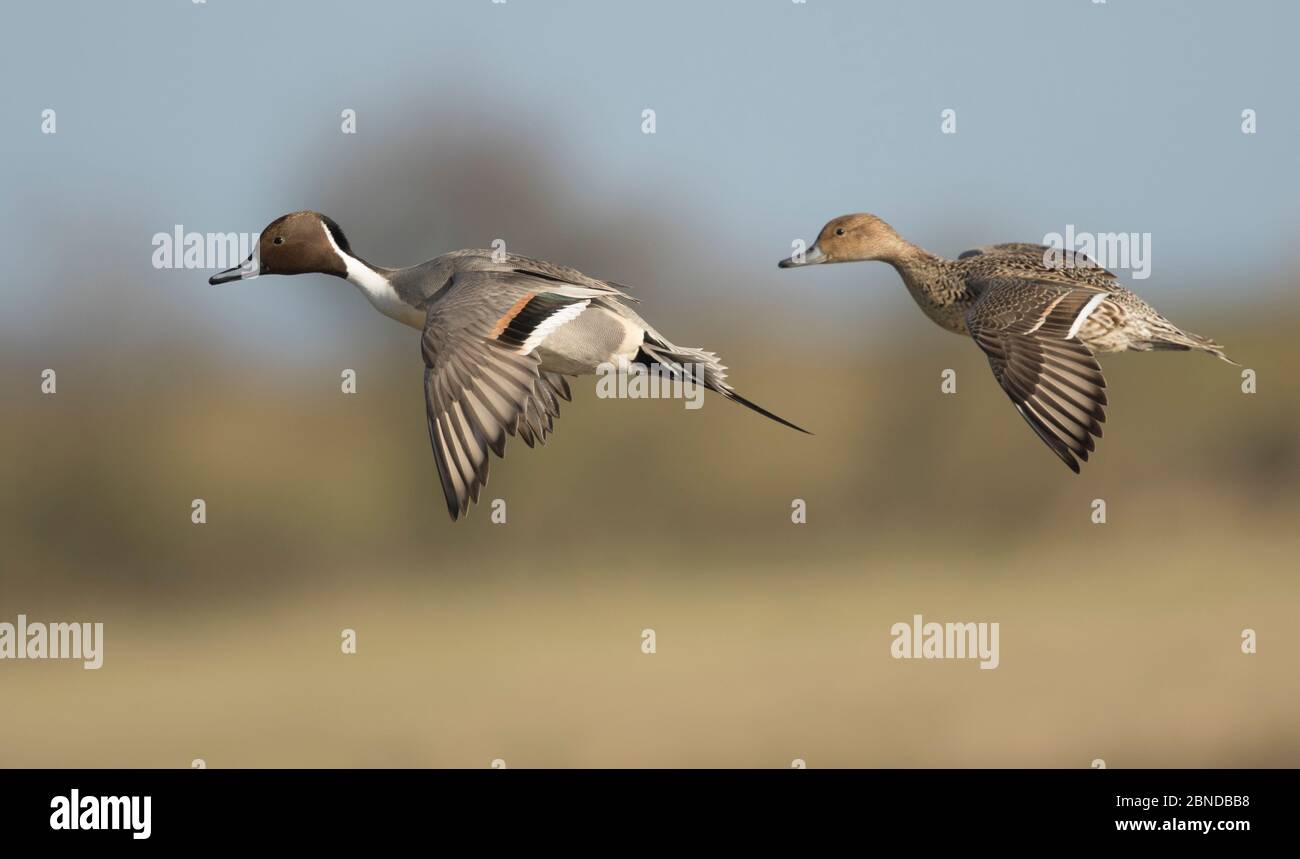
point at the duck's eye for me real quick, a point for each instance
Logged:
(278, 240)
(839, 231)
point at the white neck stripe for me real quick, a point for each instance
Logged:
(375, 287)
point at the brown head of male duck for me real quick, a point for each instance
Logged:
(1040, 314)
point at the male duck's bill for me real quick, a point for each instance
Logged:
(813, 256)
(246, 269)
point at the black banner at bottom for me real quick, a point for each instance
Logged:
(336, 807)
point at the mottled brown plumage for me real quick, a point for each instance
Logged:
(1039, 313)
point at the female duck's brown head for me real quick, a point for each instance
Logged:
(297, 243)
(851, 238)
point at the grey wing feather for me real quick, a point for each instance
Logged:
(563, 273)
(1025, 328)
(478, 387)
(541, 273)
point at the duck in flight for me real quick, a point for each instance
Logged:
(500, 334)
(1040, 314)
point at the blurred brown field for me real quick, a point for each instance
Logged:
(522, 642)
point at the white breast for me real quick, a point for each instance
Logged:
(376, 288)
(381, 294)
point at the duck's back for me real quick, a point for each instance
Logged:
(1022, 259)
(1117, 323)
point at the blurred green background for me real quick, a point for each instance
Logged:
(523, 641)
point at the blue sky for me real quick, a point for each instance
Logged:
(772, 117)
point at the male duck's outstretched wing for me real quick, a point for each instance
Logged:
(1027, 329)
(482, 379)
(539, 268)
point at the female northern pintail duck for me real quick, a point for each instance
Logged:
(500, 334)
(1038, 313)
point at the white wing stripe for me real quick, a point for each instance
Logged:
(565, 314)
(1083, 314)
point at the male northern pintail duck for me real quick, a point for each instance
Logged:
(1039, 313)
(500, 334)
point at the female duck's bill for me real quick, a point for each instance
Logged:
(812, 256)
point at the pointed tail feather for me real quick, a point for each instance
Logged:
(1205, 344)
(1187, 341)
(731, 394)
(705, 367)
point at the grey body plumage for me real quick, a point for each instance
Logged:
(499, 334)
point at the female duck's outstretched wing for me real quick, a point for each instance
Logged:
(1027, 328)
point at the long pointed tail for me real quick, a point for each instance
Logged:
(704, 367)
(1185, 341)
(1205, 344)
(730, 393)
